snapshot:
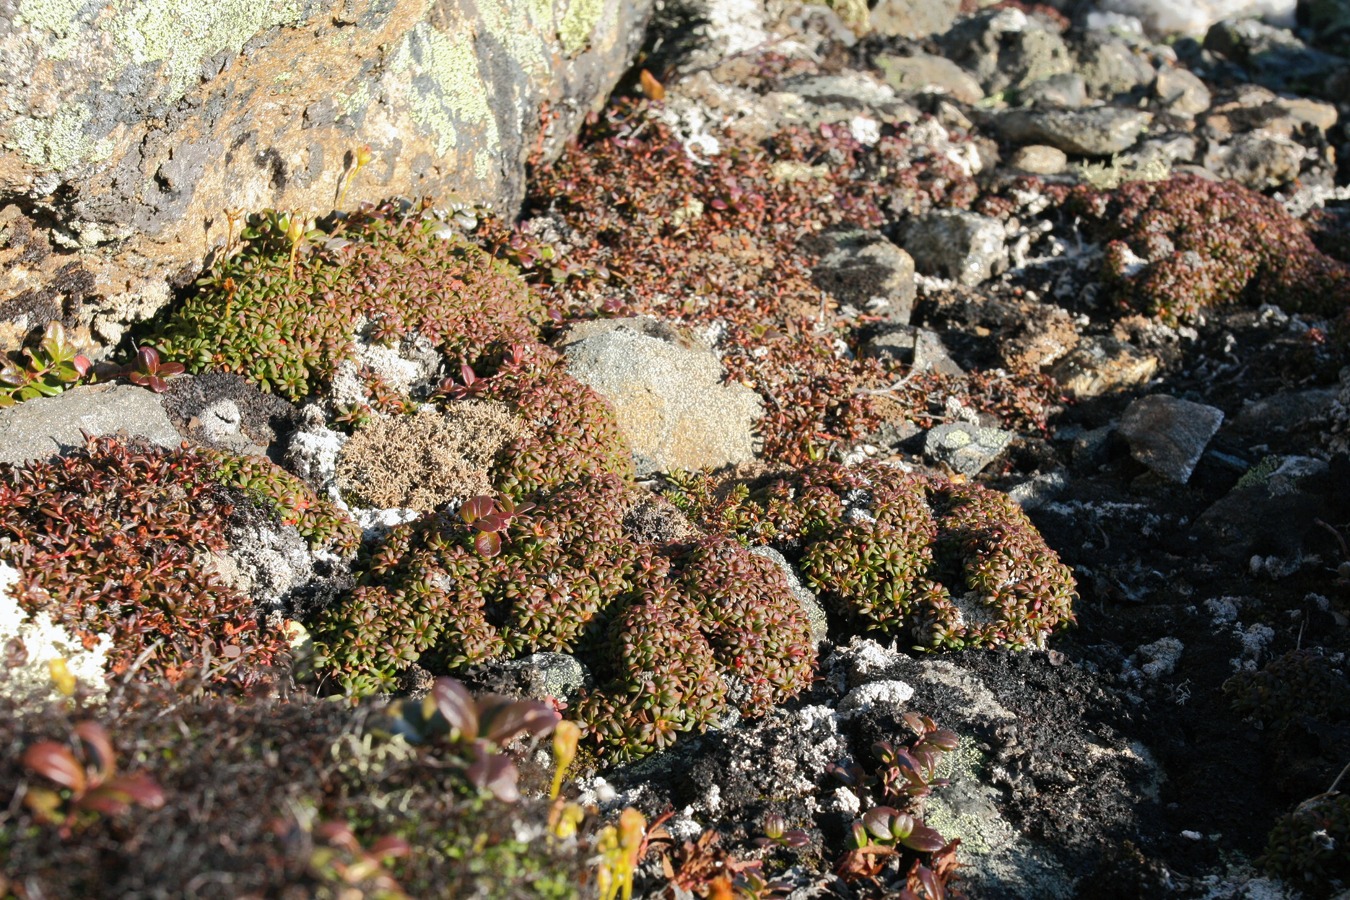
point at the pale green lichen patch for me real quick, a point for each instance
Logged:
(519, 29)
(577, 24)
(56, 16)
(176, 34)
(57, 142)
(447, 88)
(181, 33)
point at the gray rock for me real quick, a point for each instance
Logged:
(965, 447)
(886, 695)
(919, 348)
(1100, 131)
(1040, 159)
(1257, 160)
(1255, 108)
(867, 270)
(1168, 434)
(1063, 91)
(670, 399)
(963, 246)
(38, 429)
(1006, 49)
(914, 18)
(1155, 155)
(266, 563)
(1110, 67)
(1181, 91)
(1272, 512)
(1103, 365)
(134, 126)
(1277, 59)
(1286, 411)
(539, 676)
(924, 72)
(1194, 17)
(1040, 490)
(815, 613)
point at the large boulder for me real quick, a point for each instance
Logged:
(131, 131)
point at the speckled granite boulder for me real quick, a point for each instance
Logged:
(135, 126)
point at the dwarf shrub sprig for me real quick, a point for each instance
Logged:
(114, 538)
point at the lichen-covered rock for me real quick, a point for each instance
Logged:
(965, 447)
(139, 127)
(964, 246)
(925, 72)
(914, 18)
(672, 404)
(1006, 48)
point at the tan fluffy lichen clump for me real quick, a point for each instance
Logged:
(428, 459)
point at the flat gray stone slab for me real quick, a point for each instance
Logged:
(42, 428)
(1168, 434)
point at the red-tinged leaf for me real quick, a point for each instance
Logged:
(492, 522)
(55, 762)
(337, 834)
(503, 719)
(928, 878)
(169, 370)
(98, 750)
(467, 375)
(487, 543)
(495, 773)
(148, 358)
(878, 820)
(142, 789)
(944, 739)
(82, 364)
(457, 705)
(105, 799)
(391, 847)
(924, 840)
(13, 376)
(475, 508)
